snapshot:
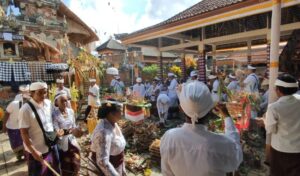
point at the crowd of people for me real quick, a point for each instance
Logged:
(45, 132)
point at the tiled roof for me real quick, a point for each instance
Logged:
(201, 7)
(111, 44)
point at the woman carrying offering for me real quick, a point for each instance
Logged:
(108, 143)
(69, 150)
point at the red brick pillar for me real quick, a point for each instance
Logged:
(160, 65)
(201, 64)
(183, 67)
(267, 74)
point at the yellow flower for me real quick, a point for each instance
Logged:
(147, 172)
(176, 70)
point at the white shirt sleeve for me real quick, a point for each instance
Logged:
(271, 120)
(68, 92)
(95, 91)
(247, 80)
(231, 86)
(55, 120)
(237, 153)
(24, 117)
(9, 108)
(173, 85)
(165, 151)
(215, 85)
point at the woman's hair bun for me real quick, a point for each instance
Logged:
(107, 108)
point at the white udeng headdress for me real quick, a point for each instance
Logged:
(60, 80)
(195, 100)
(138, 80)
(194, 73)
(285, 84)
(37, 86)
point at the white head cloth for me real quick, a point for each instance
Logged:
(24, 88)
(112, 71)
(157, 79)
(195, 100)
(285, 84)
(212, 77)
(194, 73)
(251, 67)
(60, 80)
(37, 86)
(92, 80)
(138, 80)
(170, 74)
(63, 93)
(231, 76)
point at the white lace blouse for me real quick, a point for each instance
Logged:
(68, 122)
(108, 140)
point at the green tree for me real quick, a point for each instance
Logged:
(149, 72)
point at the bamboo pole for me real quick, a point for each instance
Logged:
(48, 165)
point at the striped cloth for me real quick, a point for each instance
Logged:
(47, 76)
(38, 71)
(5, 71)
(21, 72)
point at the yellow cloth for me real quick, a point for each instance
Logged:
(91, 124)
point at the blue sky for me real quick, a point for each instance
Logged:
(125, 16)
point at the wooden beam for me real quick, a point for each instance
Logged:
(264, 6)
(180, 46)
(179, 37)
(238, 37)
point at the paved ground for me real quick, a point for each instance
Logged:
(10, 167)
(8, 162)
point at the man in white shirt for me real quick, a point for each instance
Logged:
(163, 104)
(93, 97)
(283, 124)
(153, 90)
(234, 84)
(11, 121)
(23, 90)
(193, 76)
(61, 88)
(139, 89)
(265, 97)
(118, 86)
(215, 86)
(173, 111)
(194, 151)
(32, 134)
(251, 83)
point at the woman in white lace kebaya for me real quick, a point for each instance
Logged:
(108, 143)
(69, 150)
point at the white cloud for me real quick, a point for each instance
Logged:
(108, 17)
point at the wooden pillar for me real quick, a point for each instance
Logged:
(249, 56)
(183, 67)
(274, 52)
(201, 63)
(160, 61)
